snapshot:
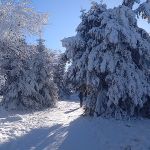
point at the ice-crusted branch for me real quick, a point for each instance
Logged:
(144, 10)
(130, 3)
(17, 18)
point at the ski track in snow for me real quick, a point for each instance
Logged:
(64, 128)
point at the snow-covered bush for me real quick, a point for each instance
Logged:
(111, 55)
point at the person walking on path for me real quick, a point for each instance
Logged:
(82, 94)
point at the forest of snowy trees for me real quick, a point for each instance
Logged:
(27, 70)
(109, 60)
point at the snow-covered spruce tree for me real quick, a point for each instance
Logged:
(13, 68)
(59, 74)
(42, 78)
(110, 54)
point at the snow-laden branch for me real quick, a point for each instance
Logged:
(144, 10)
(17, 18)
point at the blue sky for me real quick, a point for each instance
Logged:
(64, 17)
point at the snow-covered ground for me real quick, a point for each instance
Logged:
(64, 128)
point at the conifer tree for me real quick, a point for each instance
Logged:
(110, 55)
(43, 63)
(59, 76)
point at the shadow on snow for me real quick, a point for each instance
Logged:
(37, 139)
(84, 133)
(74, 136)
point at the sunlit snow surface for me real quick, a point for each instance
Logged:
(64, 128)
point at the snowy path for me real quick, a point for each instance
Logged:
(64, 128)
